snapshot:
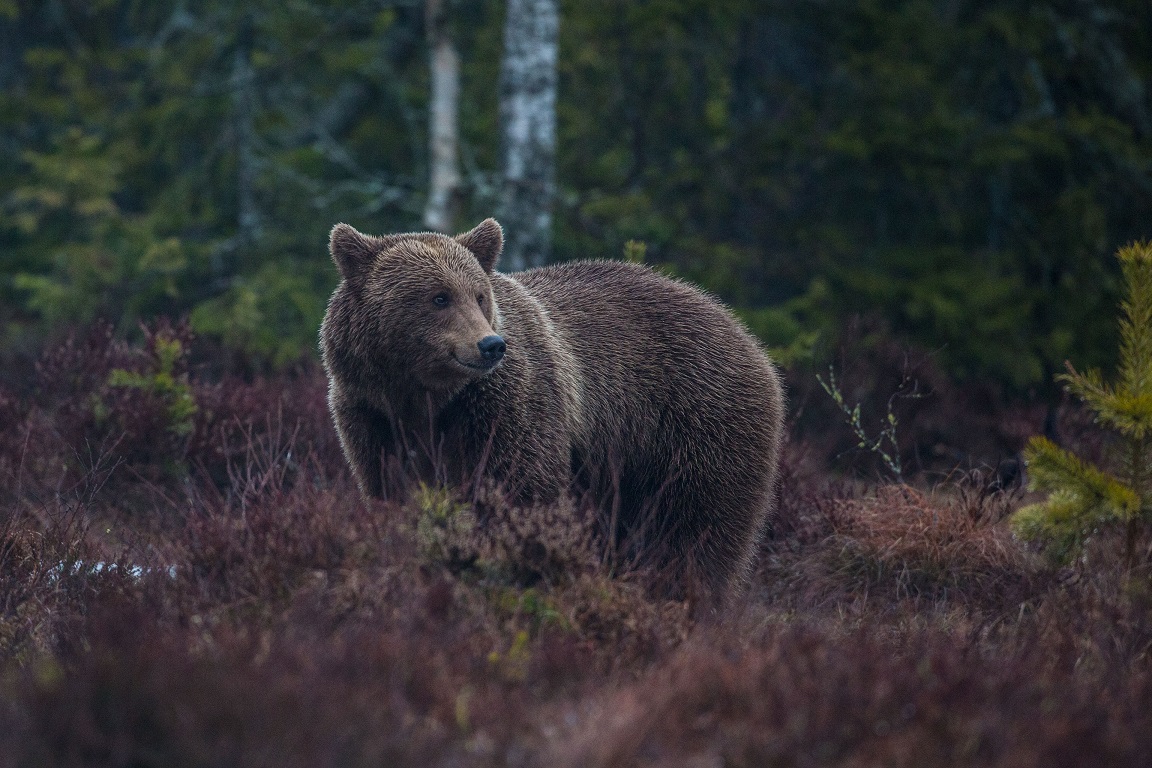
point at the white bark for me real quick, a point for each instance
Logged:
(444, 187)
(528, 130)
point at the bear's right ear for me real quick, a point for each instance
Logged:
(485, 241)
(353, 251)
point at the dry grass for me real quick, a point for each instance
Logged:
(910, 544)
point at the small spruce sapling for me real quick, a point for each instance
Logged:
(1084, 498)
(163, 382)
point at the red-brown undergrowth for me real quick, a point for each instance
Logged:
(219, 594)
(803, 697)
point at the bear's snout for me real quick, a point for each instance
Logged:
(491, 349)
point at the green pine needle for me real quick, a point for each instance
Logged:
(1136, 324)
(1083, 497)
(1100, 496)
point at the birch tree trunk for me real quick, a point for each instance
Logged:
(444, 185)
(528, 130)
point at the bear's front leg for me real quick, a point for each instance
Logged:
(364, 433)
(534, 469)
(529, 465)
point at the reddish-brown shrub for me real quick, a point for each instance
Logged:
(807, 698)
(237, 420)
(224, 596)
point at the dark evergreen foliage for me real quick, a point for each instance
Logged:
(959, 171)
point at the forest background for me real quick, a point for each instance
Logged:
(912, 202)
(958, 174)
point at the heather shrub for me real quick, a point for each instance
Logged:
(239, 419)
(506, 543)
(802, 697)
(268, 535)
(52, 443)
(12, 437)
(540, 572)
(445, 527)
(141, 416)
(50, 567)
(224, 596)
(804, 490)
(224, 694)
(99, 399)
(620, 616)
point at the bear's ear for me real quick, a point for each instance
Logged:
(485, 241)
(353, 251)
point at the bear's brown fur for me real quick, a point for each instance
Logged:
(618, 382)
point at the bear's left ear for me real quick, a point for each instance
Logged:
(485, 241)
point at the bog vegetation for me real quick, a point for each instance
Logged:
(924, 196)
(190, 577)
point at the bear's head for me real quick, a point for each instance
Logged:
(421, 304)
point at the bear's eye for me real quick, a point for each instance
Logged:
(441, 300)
(480, 299)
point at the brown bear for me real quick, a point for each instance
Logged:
(599, 378)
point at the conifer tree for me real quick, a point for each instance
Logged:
(1084, 498)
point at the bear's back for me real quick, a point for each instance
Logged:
(663, 368)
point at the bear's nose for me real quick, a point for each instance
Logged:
(491, 348)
